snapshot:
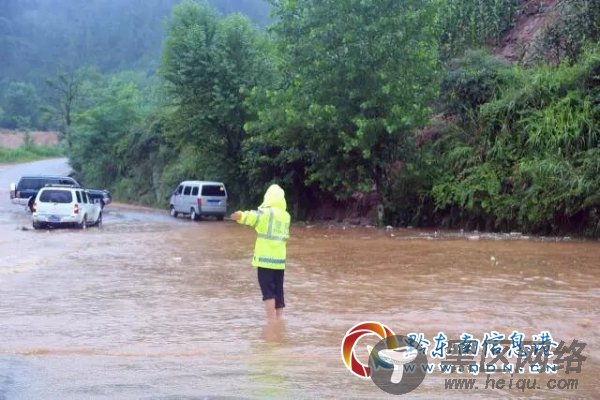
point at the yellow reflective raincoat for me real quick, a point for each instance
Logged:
(272, 224)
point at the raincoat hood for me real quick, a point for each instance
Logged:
(275, 197)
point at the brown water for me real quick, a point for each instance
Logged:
(152, 307)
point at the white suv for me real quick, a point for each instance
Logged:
(65, 205)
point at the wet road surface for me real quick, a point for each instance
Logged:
(148, 306)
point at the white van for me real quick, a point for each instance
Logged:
(199, 199)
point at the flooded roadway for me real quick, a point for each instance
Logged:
(153, 307)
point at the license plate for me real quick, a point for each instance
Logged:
(54, 218)
(214, 201)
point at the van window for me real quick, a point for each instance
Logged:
(195, 191)
(56, 196)
(187, 190)
(213, 190)
(78, 196)
(180, 189)
(84, 196)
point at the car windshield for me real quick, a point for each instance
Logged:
(213, 190)
(56, 196)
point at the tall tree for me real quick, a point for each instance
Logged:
(360, 76)
(210, 64)
(66, 89)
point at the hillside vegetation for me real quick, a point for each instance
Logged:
(400, 99)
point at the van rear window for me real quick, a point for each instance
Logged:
(56, 196)
(213, 190)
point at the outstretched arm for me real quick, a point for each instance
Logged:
(250, 218)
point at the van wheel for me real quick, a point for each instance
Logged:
(83, 224)
(220, 217)
(193, 215)
(99, 222)
(173, 212)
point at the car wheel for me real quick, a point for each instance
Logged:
(193, 215)
(99, 222)
(83, 224)
(173, 212)
(220, 217)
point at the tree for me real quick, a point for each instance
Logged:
(98, 130)
(65, 89)
(210, 64)
(359, 77)
(21, 106)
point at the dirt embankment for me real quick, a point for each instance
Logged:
(519, 44)
(13, 139)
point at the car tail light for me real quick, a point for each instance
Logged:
(34, 207)
(199, 202)
(76, 209)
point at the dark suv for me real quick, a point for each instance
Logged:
(28, 187)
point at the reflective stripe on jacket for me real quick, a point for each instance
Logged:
(272, 224)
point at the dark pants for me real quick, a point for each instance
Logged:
(271, 285)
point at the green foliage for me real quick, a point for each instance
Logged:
(37, 36)
(465, 24)
(469, 82)
(332, 101)
(357, 77)
(98, 131)
(576, 23)
(530, 157)
(21, 106)
(30, 153)
(210, 65)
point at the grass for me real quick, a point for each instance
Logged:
(30, 153)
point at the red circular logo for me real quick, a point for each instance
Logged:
(352, 337)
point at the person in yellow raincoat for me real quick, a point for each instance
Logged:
(272, 224)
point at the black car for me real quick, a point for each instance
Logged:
(28, 187)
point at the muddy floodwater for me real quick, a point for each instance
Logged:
(148, 306)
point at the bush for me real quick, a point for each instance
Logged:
(529, 159)
(470, 81)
